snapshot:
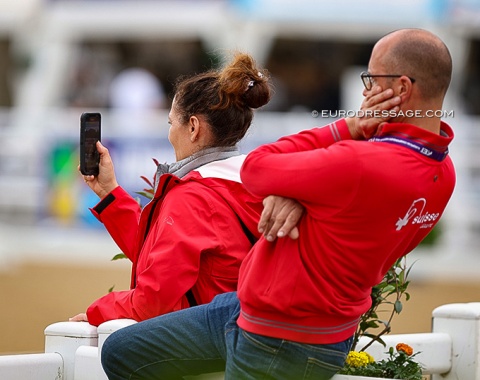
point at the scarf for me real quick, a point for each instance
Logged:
(183, 167)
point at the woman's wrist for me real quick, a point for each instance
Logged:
(107, 190)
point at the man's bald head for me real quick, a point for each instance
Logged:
(419, 54)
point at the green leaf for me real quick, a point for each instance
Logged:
(111, 289)
(146, 194)
(371, 324)
(398, 306)
(389, 289)
(119, 256)
(385, 323)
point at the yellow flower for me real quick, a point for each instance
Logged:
(402, 347)
(359, 359)
(370, 358)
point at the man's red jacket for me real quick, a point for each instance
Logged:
(367, 204)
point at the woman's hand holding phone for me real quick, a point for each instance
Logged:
(105, 182)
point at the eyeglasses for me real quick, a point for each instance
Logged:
(368, 82)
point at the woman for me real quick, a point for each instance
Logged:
(187, 244)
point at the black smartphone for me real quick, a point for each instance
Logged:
(90, 133)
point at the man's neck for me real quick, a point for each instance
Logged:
(431, 124)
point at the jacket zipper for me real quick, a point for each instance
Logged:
(150, 218)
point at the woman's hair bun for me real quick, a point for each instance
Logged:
(242, 83)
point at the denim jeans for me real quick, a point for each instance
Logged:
(205, 339)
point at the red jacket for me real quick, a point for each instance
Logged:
(188, 237)
(367, 204)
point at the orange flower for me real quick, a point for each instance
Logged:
(402, 347)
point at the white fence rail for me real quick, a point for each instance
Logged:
(33, 366)
(72, 349)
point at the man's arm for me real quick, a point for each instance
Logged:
(281, 215)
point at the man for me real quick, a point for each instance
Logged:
(367, 203)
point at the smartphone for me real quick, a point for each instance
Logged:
(90, 133)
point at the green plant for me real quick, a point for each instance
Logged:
(386, 298)
(400, 364)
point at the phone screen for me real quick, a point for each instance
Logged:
(90, 124)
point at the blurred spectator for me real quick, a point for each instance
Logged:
(136, 89)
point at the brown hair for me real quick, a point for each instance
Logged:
(226, 98)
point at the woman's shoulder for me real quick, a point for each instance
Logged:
(202, 185)
(212, 189)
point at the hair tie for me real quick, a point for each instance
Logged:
(252, 82)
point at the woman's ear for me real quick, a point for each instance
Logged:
(194, 128)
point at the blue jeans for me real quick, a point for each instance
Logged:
(207, 339)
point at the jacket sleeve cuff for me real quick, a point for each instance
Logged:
(340, 130)
(105, 202)
(333, 133)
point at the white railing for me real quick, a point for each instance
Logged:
(72, 349)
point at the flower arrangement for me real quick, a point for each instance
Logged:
(399, 365)
(386, 297)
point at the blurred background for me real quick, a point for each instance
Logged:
(121, 58)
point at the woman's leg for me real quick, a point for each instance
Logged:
(187, 342)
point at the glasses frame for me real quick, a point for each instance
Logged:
(367, 78)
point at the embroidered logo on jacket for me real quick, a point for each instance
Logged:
(168, 220)
(417, 215)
